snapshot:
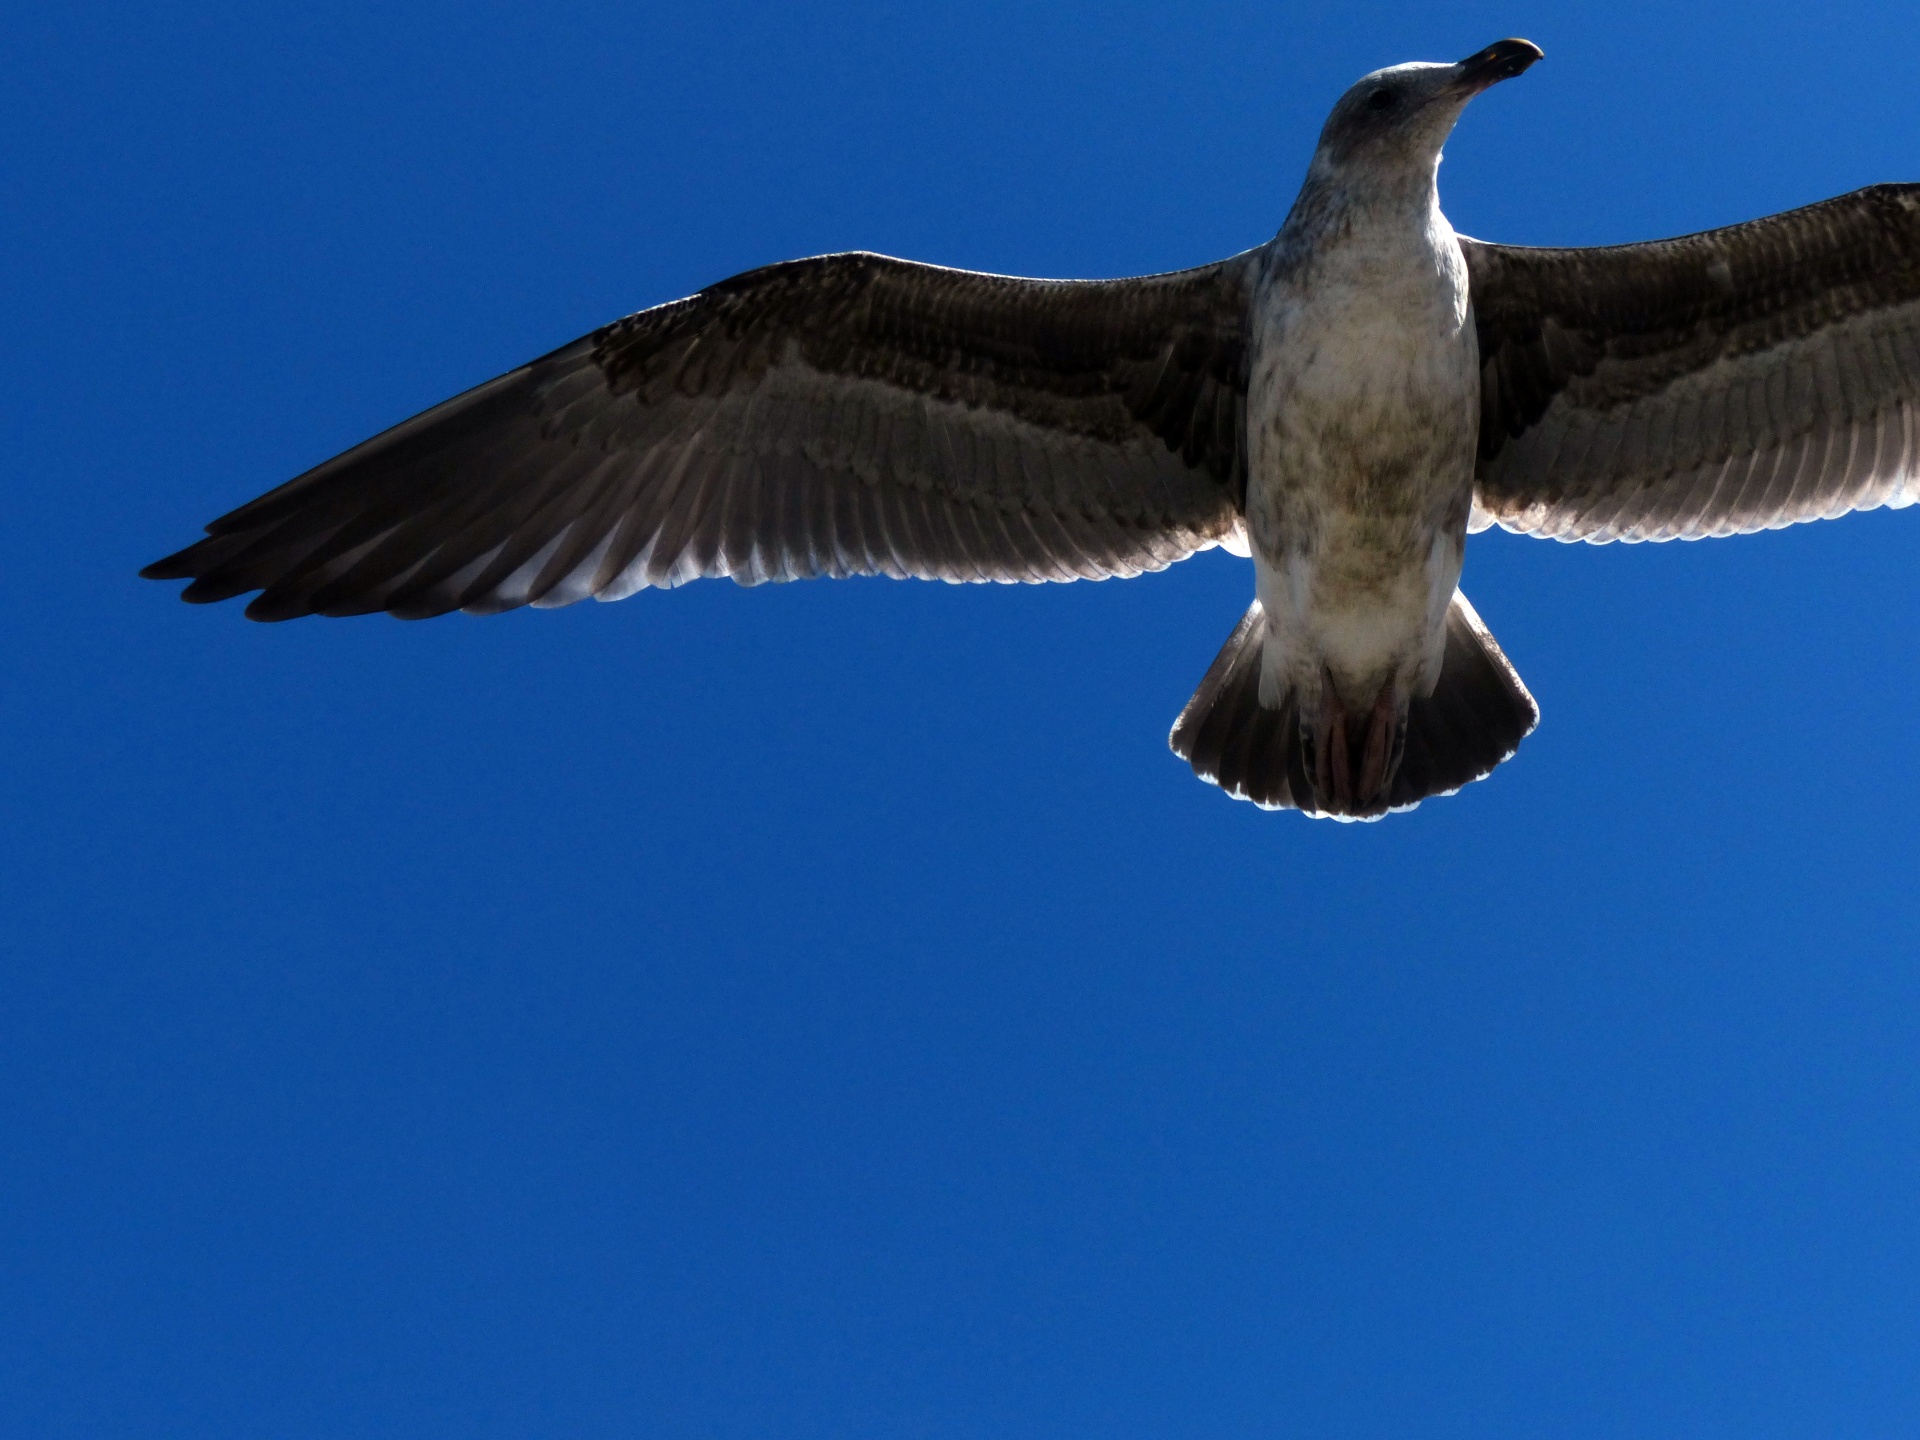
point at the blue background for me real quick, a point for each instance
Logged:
(827, 1010)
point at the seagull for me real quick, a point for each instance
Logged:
(1343, 405)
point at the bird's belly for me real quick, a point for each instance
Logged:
(1359, 486)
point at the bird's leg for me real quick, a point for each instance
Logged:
(1377, 761)
(1332, 762)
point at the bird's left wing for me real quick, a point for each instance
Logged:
(848, 414)
(1736, 380)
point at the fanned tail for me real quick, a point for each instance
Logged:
(1477, 716)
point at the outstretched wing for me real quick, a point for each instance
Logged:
(1736, 380)
(848, 414)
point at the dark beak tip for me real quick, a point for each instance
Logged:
(1501, 60)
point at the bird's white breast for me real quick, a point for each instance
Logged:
(1362, 412)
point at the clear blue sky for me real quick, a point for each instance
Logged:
(828, 1010)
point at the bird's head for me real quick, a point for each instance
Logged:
(1393, 122)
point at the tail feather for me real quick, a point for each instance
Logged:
(1234, 741)
(1476, 717)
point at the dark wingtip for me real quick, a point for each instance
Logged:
(176, 566)
(210, 591)
(271, 609)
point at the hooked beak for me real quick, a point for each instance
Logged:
(1501, 60)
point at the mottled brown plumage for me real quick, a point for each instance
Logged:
(853, 414)
(849, 414)
(1736, 380)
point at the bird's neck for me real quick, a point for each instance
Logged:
(1338, 200)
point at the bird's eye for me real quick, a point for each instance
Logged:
(1382, 99)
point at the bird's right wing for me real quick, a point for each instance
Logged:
(849, 414)
(1736, 380)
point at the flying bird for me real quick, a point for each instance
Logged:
(1344, 404)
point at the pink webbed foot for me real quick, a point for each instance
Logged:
(1377, 760)
(1350, 783)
